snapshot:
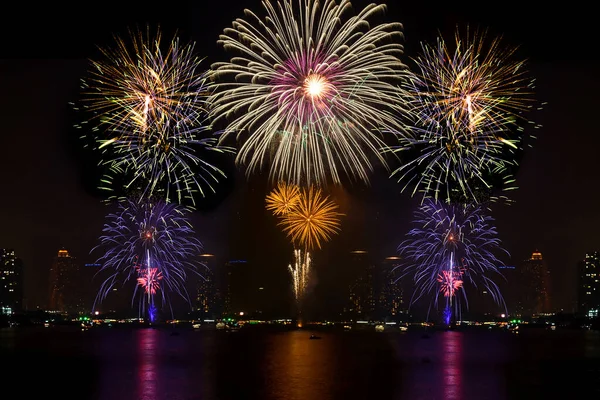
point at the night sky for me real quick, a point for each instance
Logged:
(46, 202)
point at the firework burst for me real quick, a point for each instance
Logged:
(450, 281)
(149, 279)
(283, 199)
(309, 219)
(148, 109)
(470, 106)
(450, 246)
(313, 221)
(152, 243)
(311, 90)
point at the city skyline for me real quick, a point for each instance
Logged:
(49, 206)
(376, 290)
(11, 283)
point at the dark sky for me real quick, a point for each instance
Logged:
(44, 204)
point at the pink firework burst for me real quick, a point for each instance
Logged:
(150, 279)
(450, 281)
(306, 86)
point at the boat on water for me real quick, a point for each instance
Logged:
(228, 327)
(313, 337)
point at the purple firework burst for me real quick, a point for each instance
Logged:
(452, 240)
(150, 235)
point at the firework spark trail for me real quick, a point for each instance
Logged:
(149, 107)
(149, 279)
(447, 315)
(469, 106)
(452, 239)
(152, 312)
(300, 272)
(145, 236)
(450, 282)
(313, 221)
(312, 90)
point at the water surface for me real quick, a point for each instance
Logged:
(183, 364)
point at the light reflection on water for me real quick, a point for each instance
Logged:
(147, 368)
(292, 371)
(161, 364)
(455, 365)
(299, 368)
(452, 343)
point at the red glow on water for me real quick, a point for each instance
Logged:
(147, 374)
(452, 365)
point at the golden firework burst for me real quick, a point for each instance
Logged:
(313, 220)
(283, 198)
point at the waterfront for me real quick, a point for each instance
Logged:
(186, 364)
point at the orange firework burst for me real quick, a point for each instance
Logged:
(283, 198)
(313, 221)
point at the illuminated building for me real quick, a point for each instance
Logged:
(206, 293)
(533, 286)
(65, 288)
(389, 291)
(589, 285)
(205, 297)
(361, 299)
(11, 282)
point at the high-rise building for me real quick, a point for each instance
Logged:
(361, 299)
(237, 288)
(205, 306)
(533, 286)
(11, 282)
(206, 294)
(65, 286)
(589, 285)
(243, 291)
(389, 291)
